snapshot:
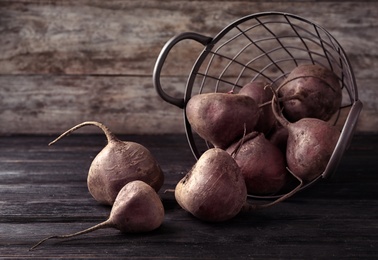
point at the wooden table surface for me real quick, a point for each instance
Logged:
(43, 192)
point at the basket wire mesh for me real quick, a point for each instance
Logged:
(264, 46)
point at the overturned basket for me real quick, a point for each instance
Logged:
(264, 46)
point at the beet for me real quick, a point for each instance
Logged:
(214, 189)
(310, 91)
(220, 118)
(262, 164)
(310, 144)
(137, 209)
(261, 93)
(118, 163)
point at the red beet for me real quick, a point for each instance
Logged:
(220, 118)
(262, 164)
(310, 91)
(137, 208)
(310, 145)
(261, 93)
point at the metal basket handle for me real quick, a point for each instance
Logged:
(344, 139)
(204, 40)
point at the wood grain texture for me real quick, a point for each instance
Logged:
(43, 192)
(125, 37)
(87, 43)
(51, 104)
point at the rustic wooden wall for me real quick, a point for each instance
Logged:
(63, 62)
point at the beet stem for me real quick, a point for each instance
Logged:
(276, 104)
(240, 143)
(248, 206)
(105, 224)
(244, 138)
(282, 99)
(109, 135)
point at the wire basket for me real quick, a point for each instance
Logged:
(264, 46)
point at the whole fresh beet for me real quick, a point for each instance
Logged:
(310, 144)
(262, 164)
(220, 118)
(137, 209)
(261, 93)
(118, 163)
(310, 91)
(214, 189)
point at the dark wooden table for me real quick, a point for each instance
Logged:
(43, 192)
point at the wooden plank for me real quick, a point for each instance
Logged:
(125, 37)
(52, 104)
(328, 220)
(89, 42)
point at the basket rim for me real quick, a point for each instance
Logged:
(241, 20)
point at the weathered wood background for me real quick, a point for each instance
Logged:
(64, 62)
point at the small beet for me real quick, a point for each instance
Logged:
(137, 209)
(118, 163)
(310, 91)
(262, 164)
(214, 189)
(262, 94)
(220, 118)
(310, 144)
